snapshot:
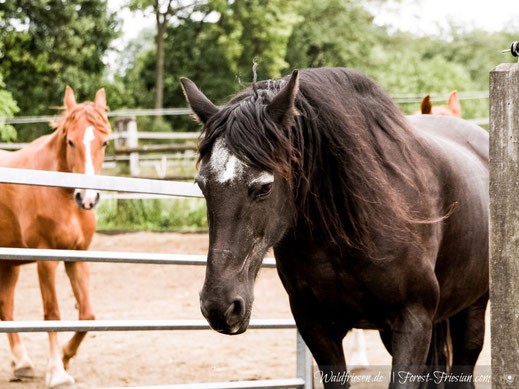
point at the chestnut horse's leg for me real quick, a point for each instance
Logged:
(23, 367)
(56, 374)
(79, 275)
(467, 332)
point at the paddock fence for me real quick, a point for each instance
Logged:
(304, 376)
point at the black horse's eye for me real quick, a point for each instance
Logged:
(70, 143)
(263, 191)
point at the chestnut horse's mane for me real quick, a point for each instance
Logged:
(95, 116)
(350, 155)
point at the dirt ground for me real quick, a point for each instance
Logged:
(121, 291)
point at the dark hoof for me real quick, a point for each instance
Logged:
(23, 373)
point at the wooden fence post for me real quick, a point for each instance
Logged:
(504, 225)
(126, 129)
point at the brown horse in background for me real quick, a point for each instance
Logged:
(453, 107)
(53, 218)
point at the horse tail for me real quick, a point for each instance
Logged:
(440, 352)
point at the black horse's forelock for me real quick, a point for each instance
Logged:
(349, 156)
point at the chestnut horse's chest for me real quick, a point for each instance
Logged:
(35, 217)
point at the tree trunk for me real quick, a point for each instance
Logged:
(159, 66)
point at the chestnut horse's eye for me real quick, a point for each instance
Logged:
(70, 143)
(105, 143)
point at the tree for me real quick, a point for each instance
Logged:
(164, 11)
(49, 44)
(8, 108)
(256, 30)
(217, 51)
(331, 33)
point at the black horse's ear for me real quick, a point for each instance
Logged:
(202, 107)
(282, 107)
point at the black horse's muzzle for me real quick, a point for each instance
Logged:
(227, 316)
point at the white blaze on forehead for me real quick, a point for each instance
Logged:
(87, 140)
(229, 168)
(89, 196)
(226, 166)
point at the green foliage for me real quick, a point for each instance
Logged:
(331, 33)
(256, 29)
(8, 108)
(478, 51)
(217, 55)
(49, 44)
(156, 215)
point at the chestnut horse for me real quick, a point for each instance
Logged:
(377, 221)
(453, 107)
(53, 218)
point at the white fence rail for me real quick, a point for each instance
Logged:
(107, 183)
(108, 256)
(304, 377)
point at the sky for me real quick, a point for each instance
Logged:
(429, 16)
(417, 16)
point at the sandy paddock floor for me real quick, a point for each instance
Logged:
(121, 291)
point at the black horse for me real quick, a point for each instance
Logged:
(377, 221)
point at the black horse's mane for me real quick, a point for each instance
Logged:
(349, 154)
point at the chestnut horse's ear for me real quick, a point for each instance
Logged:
(454, 104)
(70, 100)
(426, 106)
(202, 107)
(100, 101)
(282, 107)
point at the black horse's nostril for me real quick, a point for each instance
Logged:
(235, 312)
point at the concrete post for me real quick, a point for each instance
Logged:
(504, 225)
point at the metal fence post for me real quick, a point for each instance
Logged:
(304, 363)
(504, 225)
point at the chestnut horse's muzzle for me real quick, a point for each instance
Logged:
(86, 199)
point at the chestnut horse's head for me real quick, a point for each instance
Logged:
(85, 132)
(453, 107)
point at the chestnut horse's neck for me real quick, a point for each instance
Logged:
(48, 153)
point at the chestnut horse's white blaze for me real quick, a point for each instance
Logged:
(89, 196)
(87, 140)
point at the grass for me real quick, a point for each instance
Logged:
(184, 215)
